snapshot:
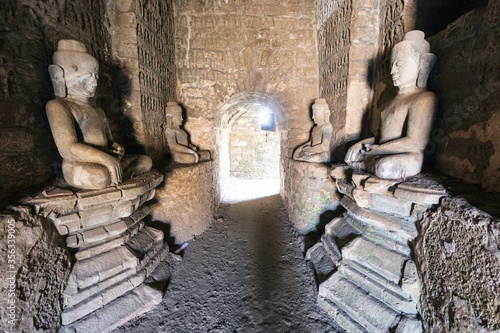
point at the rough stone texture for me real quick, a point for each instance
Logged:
(29, 34)
(77, 212)
(143, 45)
(39, 272)
(466, 141)
(321, 261)
(184, 204)
(458, 258)
(103, 273)
(310, 194)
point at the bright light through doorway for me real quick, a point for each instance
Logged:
(247, 189)
(249, 154)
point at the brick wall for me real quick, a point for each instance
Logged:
(239, 47)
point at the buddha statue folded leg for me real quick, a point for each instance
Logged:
(87, 176)
(398, 166)
(184, 158)
(135, 165)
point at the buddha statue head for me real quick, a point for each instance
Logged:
(173, 114)
(411, 61)
(321, 111)
(74, 70)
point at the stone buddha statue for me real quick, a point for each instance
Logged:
(406, 122)
(91, 158)
(181, 150)
(317, 149)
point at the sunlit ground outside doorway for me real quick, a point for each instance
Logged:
(237, 189)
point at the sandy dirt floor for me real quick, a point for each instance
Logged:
(245, 274)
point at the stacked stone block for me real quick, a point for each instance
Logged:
(376, 287)
(113, 278)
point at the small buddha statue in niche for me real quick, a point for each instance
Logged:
(181, 150)
(317, 149)
(407, 121)
(91, 158)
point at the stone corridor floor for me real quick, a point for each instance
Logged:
(245, 274)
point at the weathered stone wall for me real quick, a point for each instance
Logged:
(35, 266)
(184, 203)
(334, 42)
(227, 48)
(155, 39)
(466, 140)
(29, 32)
(458, 254)
(312, 197)
(143, 45)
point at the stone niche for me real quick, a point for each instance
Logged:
(184, 205)
(97, 262)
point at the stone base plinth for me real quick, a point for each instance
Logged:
(376, 286)
(186, 201)
(309, 193)
(119, 260)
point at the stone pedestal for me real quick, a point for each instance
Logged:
(309, 193)
(186, 201)
(116, 254)
(376, 287)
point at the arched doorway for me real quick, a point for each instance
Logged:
(249, 142)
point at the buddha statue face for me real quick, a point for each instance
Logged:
(173, 114)
(405, 66)
(411, 62)
(321, 113)
(177, 118)
(84, 84)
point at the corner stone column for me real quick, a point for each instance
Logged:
(310, 192)
(186, 201)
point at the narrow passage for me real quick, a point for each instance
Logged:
(245, 274)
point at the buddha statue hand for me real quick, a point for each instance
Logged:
(117, 150)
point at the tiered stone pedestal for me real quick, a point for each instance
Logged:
(186, 202)
(376, 286)
(309, 193)
(120, 264)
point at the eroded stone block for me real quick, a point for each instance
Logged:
(323, 264)
(374, 257)
(363, 309)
